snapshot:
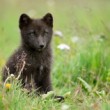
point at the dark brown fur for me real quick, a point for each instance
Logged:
(35, 51)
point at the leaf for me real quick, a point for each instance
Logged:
(85, 84)
(67, 94)
(48, 95)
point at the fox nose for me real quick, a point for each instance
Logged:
(41, 46)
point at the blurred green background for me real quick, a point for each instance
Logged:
(72, 17)
(85, 25)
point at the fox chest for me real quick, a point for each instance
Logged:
(36, 65)
(33, 65)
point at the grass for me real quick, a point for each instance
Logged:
(83, 71)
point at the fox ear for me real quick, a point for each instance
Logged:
(48, 19)
(24, 20)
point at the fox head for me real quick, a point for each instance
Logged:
(36, 34)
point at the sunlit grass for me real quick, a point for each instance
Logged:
(86, 65)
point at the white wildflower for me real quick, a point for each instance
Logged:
(12, 75)
(58, 34)
(75, 39)
(65, 107)
(63, 47)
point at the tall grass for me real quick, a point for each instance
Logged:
(81, 74)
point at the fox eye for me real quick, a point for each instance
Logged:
(31, 33)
